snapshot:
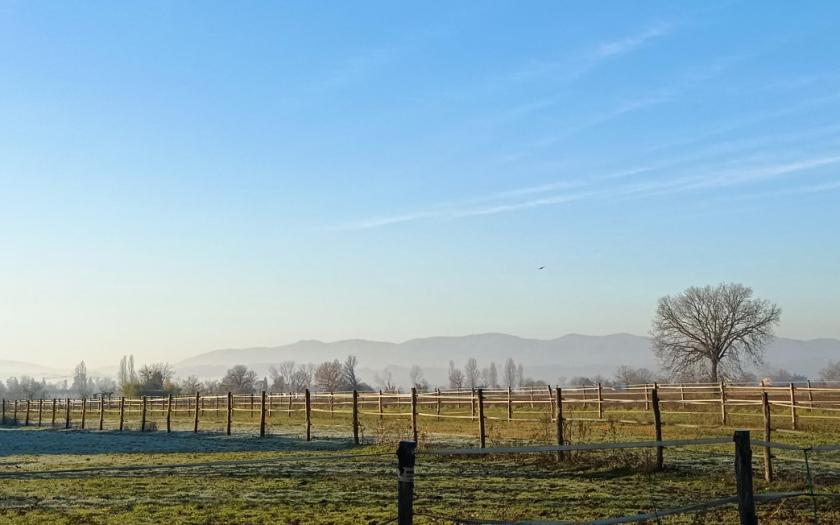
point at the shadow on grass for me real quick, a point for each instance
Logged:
(17, 441)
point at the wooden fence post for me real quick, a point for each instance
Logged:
(437, 407)
(84, 412)
(169, 413)
(472, 403)
(143, 414)
(229, 422)
(509, 405)
(67, 413)
(657, 425)
(122, 412)
(559, 415)
(550, 402)
(101, 412)
(14, 414)
(332, 409)
(252, 405)
(3, 418)
(768, 465)
(308, 406)
(682, 396)
(481, 433)
(40, 411)
(262, 413)
(26, 418)
(810, 394)
(647, 399)
(405, 483)
(268, 406)
(414, 413)
(744, 478)
(54, 404)
(723, 418)
(793, 418)
(290, 404)
(379, 399)
(197, 411)
(601, 401)
(355, 417)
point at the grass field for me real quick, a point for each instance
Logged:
(59, 476)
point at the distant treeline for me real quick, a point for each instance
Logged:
(157, 379)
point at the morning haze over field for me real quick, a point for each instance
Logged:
(560, 262)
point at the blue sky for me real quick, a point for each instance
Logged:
(180, 177)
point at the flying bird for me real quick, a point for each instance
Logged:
(541, 267)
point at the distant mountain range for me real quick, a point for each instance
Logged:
(551, 359)
(547, 359)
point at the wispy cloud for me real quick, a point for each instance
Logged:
(632, 42)
(605, 187)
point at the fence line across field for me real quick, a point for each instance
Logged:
(591, 403)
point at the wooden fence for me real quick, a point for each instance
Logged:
(718, 404)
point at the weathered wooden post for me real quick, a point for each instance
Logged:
(26, 418)
(379, 399)
(810, 394)
(481, 432)
(472, 403)
(122, 412)
(3, 418)
(723, 418)
(414, 413)
(768, 465)
(84, 412)
(40, 411)
(509, 405)
(101, 412)
(197, 409)
(290, 403)
(308, 409)
(169, 413)
(647, 398)
(405, 483)
(67, 413)
(744, 478)
(559, 416)
(252, 405)
(143, 414)
(54, 405)
(793, 418)
(355, 417)
(682, 396)
(229, 422)
(601, 401)
(14, 414)
(268, 406)
(437, 408)
(550, 402)
(657, 424)
(262, 413)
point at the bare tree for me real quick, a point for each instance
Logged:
(301, 378)
(714, 328)
(510, 373)
(493, 376)
(328, 375)
(471, 373)
(239, 380)
(627, 375)
(831, 372)
(386, 381)
(416, 376)
(80, 382)
(456, 377)
(348, 372)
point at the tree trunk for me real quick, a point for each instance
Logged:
(715, 378)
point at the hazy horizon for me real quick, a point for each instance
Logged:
(177, 180)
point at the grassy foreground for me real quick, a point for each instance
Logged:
(58, 476)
